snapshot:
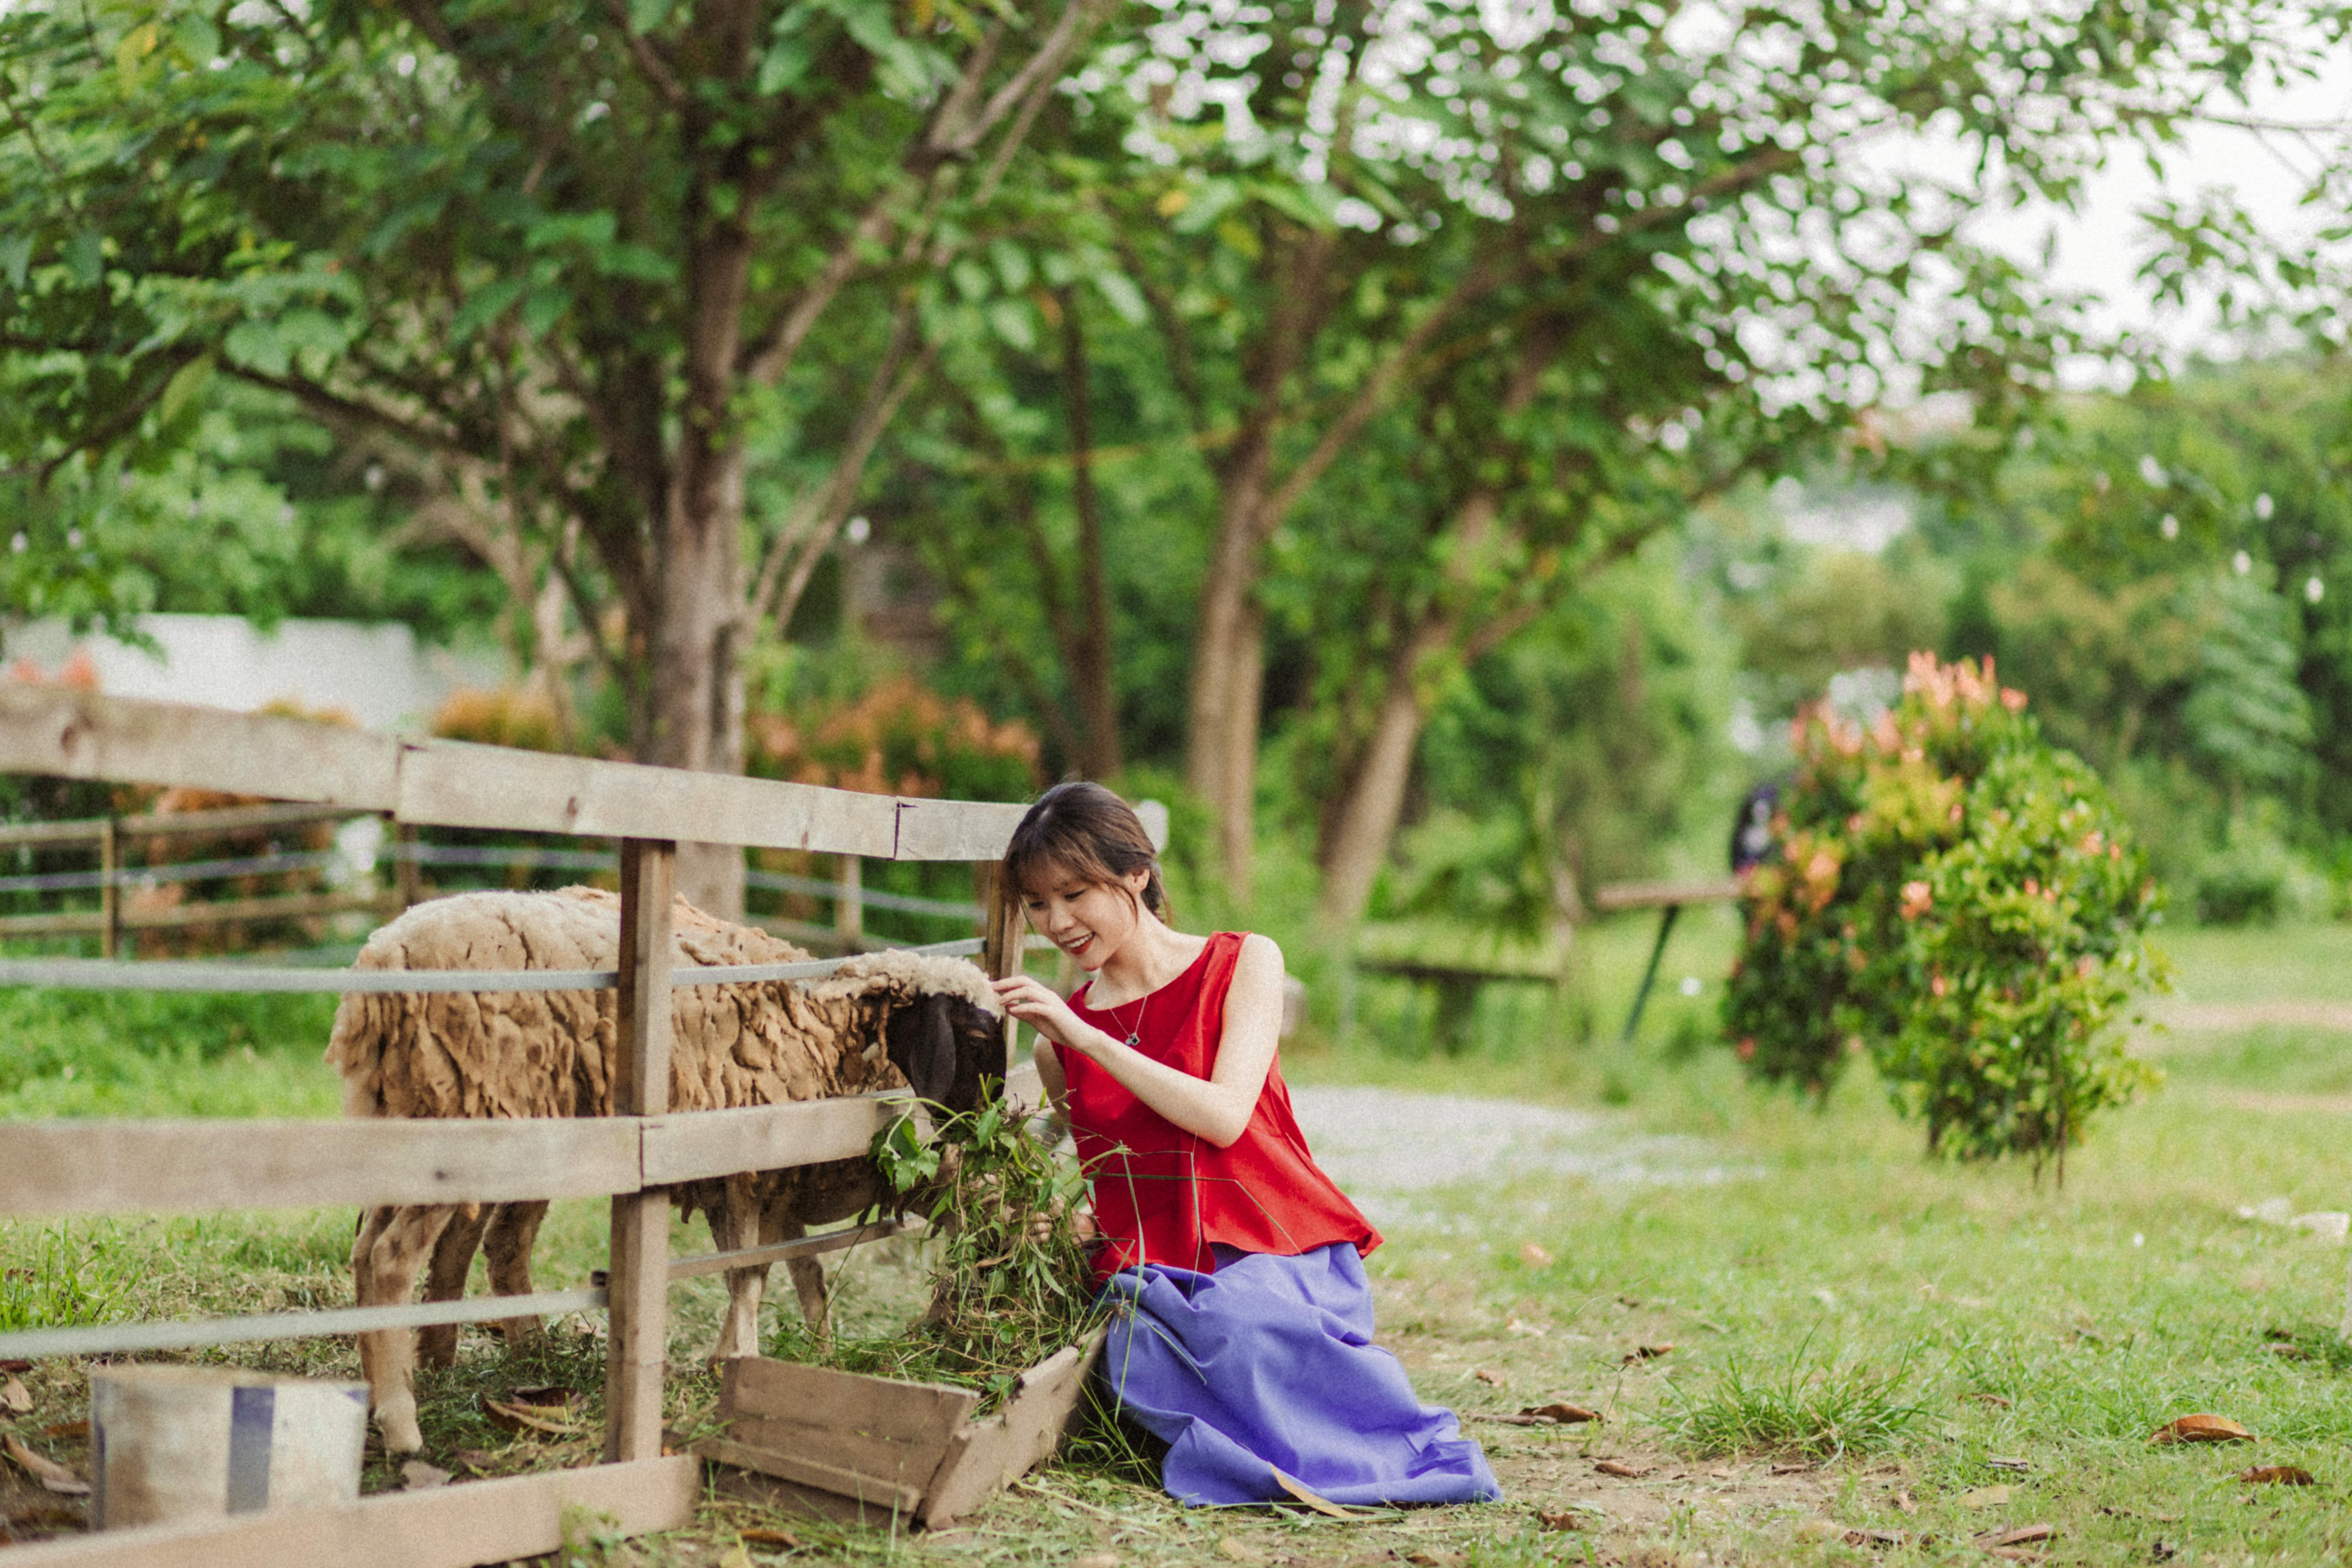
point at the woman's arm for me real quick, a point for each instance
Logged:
(1217, 1107)
(1050, 1075)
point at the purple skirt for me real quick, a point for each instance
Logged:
(1268, 1364)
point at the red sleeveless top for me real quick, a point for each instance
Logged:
(1165, 1195)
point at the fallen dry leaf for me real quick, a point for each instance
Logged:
(1564, 1414)
(1233, 1551)
(547, 1394)
(1793, 1469)
(1984, 1497)
(1489, 1377)
(1563, 1518)
(785, 1541)
(1085, 1559)
(1435, 1559)
(68, 1431)
(1982, 1398)
(738, 1556)
(52, 1476)
(519, 1418)
(15, 1364)
(1645, 1353)
(2018, 1537)
(1999, 1463)
(1874, 1538)
(2277, 1475)
(1723, 1473)
(477, 1460)
(1313, 1498)
(416, 1476)
(14, 1397)
(2201, 1429)
(2015, 1553)
(1905, 1502)
(1621, 1468)
(1535, 1256)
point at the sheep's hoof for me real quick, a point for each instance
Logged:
(521, 1333)
(398, 1422)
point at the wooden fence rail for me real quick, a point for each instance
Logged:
(453, 784)
(107, 835)
(631, 1158)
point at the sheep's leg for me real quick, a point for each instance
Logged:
(392, 1248)
(444, 1280)
(733, 1223)
(514, 1229)
(371, 1229)
(808, 1280)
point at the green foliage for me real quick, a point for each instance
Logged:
(1569, 758)
(51, 1031)
(1958, 898)
(1819, 1408)
(1011, 1283)
(64, 1276)
(2029, 945)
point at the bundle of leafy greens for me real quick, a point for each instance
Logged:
(1010, 1284)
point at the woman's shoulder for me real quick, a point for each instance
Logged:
(1249, 945)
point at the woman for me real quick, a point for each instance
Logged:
(1246, 1340)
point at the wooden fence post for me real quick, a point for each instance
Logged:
(407, 875)
(999, 952)
(110, 896)
(638, 1282)
(848, 911)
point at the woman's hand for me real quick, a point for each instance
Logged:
(1034, 1003)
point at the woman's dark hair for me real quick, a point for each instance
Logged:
(1081, 829)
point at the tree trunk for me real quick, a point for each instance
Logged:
(695, 717)
(1367, 819)
(1374, 792)
(1228, 677)
(696, 686)
(1091, 669)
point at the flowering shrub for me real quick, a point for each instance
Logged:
(899, 739)
(1956, 896)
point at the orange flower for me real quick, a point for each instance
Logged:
(1936, 986)
(1918, 899)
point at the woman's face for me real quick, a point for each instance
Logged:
(1089, 921)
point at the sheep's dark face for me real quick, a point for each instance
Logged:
(944, 1045)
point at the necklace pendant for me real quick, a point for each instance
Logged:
(1132, 1042)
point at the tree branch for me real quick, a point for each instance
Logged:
(650, 64)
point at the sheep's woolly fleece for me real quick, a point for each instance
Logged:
(548, 1053)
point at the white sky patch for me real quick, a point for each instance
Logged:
(1860, 517)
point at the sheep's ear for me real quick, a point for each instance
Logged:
(922, 1047)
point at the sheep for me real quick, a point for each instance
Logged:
(883, 1020)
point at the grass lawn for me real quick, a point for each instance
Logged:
(1862, 1341)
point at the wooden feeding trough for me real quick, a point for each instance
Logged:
(871, 1448)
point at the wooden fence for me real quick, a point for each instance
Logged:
(52, 1168)
(107, 838)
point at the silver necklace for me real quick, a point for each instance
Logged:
(1133, 1039)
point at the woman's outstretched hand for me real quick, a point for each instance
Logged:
(1034, 1003)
